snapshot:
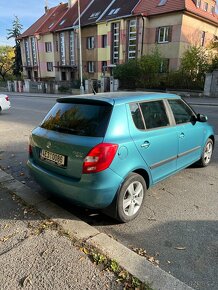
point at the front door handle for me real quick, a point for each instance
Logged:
(146, 144)
(182, 135)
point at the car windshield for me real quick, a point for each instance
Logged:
(78, 119)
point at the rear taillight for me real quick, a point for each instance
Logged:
(99, 158)
(30, 150)
(7, 98)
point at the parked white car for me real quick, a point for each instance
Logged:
(5, 103)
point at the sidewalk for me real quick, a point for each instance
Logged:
(207, 101)
(40, 248)
(36, 255)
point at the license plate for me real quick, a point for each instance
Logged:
(53, 157)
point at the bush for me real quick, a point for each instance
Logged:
(128, 74)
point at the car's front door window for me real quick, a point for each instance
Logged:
(182, 113)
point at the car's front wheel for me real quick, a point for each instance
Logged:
(207, 153)
(130, 197)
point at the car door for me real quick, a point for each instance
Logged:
(154, 137)
(190, 133)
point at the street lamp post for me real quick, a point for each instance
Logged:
(80, 52)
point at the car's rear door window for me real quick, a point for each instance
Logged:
(182, 112)
(82, 119)
(137, 116)
(149, 115)
(154, 114)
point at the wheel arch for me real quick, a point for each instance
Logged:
(212, 137)
(145, 175)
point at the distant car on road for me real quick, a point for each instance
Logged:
(4, 102)
(104, 151)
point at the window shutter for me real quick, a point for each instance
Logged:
(170, 33)
(157, 34)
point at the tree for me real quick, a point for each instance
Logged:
(6, 61)
(15, 32)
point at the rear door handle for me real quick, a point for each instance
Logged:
(182, 135)
(146, 144)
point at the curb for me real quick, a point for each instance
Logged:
(203, 104)
(136, 265)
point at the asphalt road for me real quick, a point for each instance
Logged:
(179, 221)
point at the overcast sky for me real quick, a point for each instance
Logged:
(28, 11)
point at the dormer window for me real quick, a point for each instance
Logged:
(94, 15)
(205, 6)
(50, 26)
(114, 11)
(162, 2)
(62, 22)
(212, 11)
(198, 3)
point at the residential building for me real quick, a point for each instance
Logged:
(173, 25)
(113, 32)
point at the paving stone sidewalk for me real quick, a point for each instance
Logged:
(34, 255)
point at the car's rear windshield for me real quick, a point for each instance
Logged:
(79, 118)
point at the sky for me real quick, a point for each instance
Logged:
(28, 11)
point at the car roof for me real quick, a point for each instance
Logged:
(120, 97)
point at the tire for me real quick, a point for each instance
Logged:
(130, 197)
(207, 154)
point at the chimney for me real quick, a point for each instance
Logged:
(46, 6)
(71, 3)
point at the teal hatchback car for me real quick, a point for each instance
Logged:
(104, 151)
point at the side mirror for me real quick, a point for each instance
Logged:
(202, 118)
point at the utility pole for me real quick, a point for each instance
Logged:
(80, 52)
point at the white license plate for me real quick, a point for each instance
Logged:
(53, 157)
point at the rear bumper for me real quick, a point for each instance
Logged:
(92, 190)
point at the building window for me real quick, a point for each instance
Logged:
(203, 33)
(62, 49)
(212, 11)
(57, 45)
(72, 48)
(162, 2)
(104, 66)
(91, 66)
(115, 42)
(48, 47)
(198, 4)
(90, 42)
(132, 40)
(104, 40)
(34, 55)
(205, 6)
(164, 34)
(49, 66)
(114, 11)
(94, 15)
(27, 52)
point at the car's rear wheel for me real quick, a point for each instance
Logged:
(207, 154)
(130, 197)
